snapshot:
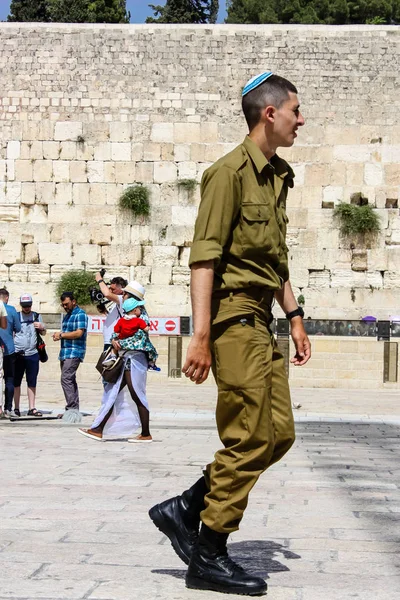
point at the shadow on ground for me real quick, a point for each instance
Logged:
(255, 556)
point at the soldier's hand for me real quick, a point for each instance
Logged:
(301, 343)
(198, 360)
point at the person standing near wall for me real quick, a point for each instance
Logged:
(73, 336)
(27, 356)
(7, 339)
(3, 325)
(239, 264)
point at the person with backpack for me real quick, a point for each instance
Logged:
(27, 355)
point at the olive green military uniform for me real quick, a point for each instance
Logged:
(241, 226)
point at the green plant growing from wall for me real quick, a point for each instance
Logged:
(354, 219)
(77, 281)
(187, 184)
(136, 199)
(301, 300)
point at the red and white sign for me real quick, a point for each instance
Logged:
(158, 325)
(95, 324)
(165, 326)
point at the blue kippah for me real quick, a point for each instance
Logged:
(256, 81)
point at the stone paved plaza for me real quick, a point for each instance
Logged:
(323, 524)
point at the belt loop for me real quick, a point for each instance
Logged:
(230, 296)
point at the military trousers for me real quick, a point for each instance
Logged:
(254, 414)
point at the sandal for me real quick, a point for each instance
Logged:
(33, 412)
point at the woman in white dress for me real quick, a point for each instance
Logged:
(118, 415)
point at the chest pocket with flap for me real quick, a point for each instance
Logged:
(256, 227)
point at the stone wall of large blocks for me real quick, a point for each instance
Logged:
(87, 110)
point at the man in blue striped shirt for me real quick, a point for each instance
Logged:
(73, 336)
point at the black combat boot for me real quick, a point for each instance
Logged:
(179, 518)
(210, 568)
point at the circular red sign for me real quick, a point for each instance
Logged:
(170, 325)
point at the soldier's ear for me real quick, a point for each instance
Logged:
(269, 113)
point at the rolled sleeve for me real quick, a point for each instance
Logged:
(219, 206)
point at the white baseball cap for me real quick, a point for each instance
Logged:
(26, 300)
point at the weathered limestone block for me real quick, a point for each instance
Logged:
(165, 172)
(69, 214)
(165, 300)
(36, 150)
(33, 214)
(28, 193)
(78, 171)
(184, 216)
(165, 255)
(91, 215)
(43, 170)
(31, 254)
(45, 193)
(179, 235)
(391, 280)
(80, 194)
(123, 254)
(356, 154)
(109, 172)
(86, 253)
(391, 153)
(373, 174)
(68, 130)
(184, 257)
(125, 172)
(137, 151)
(332, 194)
(395, 237)
(121, 151)
(84, 152)
(68, 151)
(120, 132)
(18, 273)
(142, 274)
(161, 275)
(12, 192)
(359, 260)
(319, 278)
(180, 275)
(96, 132)
(341, 278)
(122, 234)
(187, 133)
(95, 171)
(102, 151)
(23, 170)
(51, 150)
(139, 234)
(55, 254)
(162, 132)
(151, 151)
(61, 171)
(317, 174)
(209, 132)
(10, 252)
(392, 175)
(187, 170)
(27, 238)
(38, 273)
(13, 149)
(144, 172)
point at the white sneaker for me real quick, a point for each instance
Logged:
(11, 413)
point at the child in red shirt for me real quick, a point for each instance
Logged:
(127, 327)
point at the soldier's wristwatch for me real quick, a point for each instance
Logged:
(299, 312)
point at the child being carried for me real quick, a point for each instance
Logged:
(132, 333)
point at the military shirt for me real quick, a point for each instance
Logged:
(241, 223)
